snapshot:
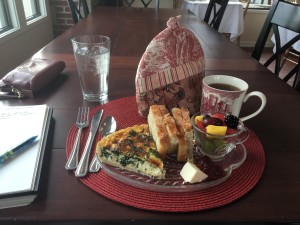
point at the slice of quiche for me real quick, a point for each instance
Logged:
(133, 149)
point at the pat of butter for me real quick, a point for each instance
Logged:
(191, 173)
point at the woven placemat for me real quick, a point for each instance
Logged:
(240, 182)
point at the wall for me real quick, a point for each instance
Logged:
(253, 24)
(17, 49)
(61, 15)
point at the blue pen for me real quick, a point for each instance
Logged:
(7, 155)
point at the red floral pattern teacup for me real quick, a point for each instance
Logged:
(226, 94)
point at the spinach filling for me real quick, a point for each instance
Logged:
(137, 156)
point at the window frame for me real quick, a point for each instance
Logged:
(5, 16)
(19, 23)
(36, 5)
(256, 6)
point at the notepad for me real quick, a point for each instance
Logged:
(19, 176)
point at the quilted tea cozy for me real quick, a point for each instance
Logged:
(171, 70)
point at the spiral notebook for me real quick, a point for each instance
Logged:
(20, 175)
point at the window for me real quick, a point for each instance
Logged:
(4, 17)
(258, 4)
(17, 16)
(263, 4)
(31, 8)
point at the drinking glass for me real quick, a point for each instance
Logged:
(92, 54)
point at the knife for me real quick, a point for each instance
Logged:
(82, 168)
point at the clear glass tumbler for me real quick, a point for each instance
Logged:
(92, 54)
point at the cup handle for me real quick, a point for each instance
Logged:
(262, 106)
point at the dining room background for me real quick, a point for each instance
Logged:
(58, 19)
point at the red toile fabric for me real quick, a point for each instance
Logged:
(170, 71)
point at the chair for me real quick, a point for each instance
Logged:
(291, 55)
(297, 80)
(287, 15)
(218, 8)
(246, 8)
(145, 3)
(77, 9)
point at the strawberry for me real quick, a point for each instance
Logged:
(200, 126)
(199, 118)
(219, 115)
(230, 131)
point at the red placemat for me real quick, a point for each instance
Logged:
(241, 181)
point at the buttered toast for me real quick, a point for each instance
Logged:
(173, 134)
(158, 130)
(183, 122)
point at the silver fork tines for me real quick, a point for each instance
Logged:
(81, 122)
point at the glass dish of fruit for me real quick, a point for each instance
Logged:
(216, 135)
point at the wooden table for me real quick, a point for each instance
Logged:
(63, 198)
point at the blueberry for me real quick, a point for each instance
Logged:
(212, 121)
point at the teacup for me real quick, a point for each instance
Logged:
(226, 94)
(218, 146)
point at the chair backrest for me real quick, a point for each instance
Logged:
(217, 7)
(282, 14)
(297, 80)
(146, 3)
(79, 10)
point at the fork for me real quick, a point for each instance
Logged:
(81, 122)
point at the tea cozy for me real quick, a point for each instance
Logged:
(171, 70)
